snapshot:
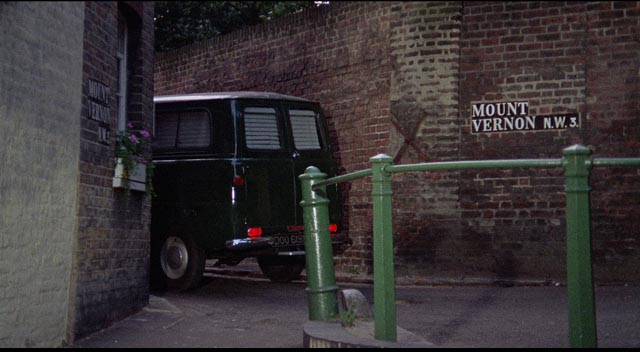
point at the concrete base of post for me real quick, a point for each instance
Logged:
(322, 334)
(328, 334)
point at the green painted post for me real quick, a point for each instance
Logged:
(384, 296)
(582, 327)
(321, 279)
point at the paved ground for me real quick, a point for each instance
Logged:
(253, 312)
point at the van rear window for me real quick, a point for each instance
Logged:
(305, 130)
(188, 129)
(261, 128)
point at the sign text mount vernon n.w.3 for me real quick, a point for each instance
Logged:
(514, 116)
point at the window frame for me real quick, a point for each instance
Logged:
(122, 58)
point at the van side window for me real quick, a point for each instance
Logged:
(166, 126)
(305, 130)
(183, 130)
(194, 130)
(261, 128)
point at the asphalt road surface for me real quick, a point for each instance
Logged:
(252, 312)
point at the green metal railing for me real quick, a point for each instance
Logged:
(321, 287)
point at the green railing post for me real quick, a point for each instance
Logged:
(384, 300)
(582, 327)
(321, 279)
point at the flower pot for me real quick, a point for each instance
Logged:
(137, 178)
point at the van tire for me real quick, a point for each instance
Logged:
(281, 268)
(181, 261)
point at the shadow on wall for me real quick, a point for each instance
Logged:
(506, 265)
(430, 250)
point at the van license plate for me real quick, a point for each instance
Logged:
(288, 240)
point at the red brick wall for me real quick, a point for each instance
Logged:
(112, 250)
(337, 55)
(560, 57)
(613, 103)
(400, 78)
(424, 113)
(522, 51)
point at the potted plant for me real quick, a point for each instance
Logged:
(132, 169)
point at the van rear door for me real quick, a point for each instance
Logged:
(311, 147)
(267, 165)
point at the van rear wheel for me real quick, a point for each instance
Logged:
(182, 262)
(281, 268)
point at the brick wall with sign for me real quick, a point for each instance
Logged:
(561, 58)
(533, 52)
(112, 254)
(401, 78)
(74, 250)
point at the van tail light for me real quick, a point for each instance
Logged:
(254, 232)
(238, 181)
(333, 228)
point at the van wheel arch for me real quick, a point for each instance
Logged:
(180, 261)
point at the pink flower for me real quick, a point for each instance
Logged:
(130, 125)
(144, 133)
(133, 138)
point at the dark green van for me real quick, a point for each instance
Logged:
(226, 183)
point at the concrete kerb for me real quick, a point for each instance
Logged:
(321, 334)
(251, 270)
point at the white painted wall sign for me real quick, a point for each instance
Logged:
(514, 116)
(98, 105)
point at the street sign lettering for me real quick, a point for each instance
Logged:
(514, 116)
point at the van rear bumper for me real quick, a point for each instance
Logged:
(340, 242)
(244, 244)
